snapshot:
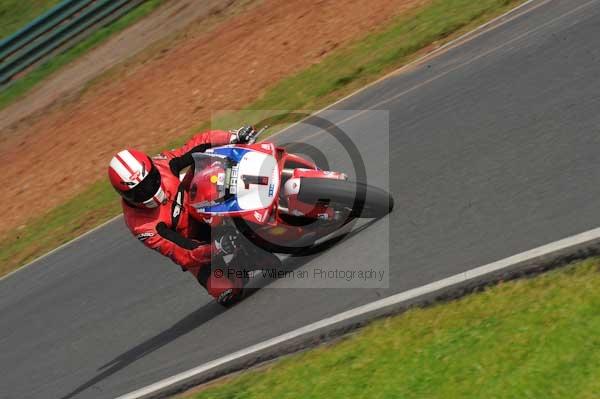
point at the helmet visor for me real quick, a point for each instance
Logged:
(145, 189)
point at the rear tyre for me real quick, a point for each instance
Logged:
(363, 200)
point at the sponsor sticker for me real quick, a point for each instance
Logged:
(144, 236)
(271, 189)
(233, 180)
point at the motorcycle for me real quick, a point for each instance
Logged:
(279, 201)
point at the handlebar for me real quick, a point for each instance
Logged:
(258, 133)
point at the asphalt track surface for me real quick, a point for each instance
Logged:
(493, 150)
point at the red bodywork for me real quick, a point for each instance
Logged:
(272, 223)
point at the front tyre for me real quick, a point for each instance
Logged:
(361, 199)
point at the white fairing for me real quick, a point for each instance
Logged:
(257, 196)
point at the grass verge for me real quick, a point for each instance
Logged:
(21, 86)
(14, 14)
(338, 74)
(531, 338)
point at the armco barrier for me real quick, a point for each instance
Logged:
(40, 25)
(59, 28)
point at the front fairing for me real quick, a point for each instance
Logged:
(247, 187)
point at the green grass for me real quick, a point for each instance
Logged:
(21, 86)
(532, 338)
(342, 71)
(15, 14)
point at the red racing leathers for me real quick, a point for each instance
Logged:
(168, 228)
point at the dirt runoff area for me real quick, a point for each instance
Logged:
(49, 159)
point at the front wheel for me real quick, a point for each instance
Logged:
(361, 199)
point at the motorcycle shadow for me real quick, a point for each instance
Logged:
(189, 323)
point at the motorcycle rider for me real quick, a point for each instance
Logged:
(152, 200)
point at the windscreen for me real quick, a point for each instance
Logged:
(212, 177)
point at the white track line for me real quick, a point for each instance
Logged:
(527, 256)
(513, 13)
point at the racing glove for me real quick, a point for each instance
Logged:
(242, 135)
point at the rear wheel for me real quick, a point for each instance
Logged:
(360, 199)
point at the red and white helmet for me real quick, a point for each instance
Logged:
(136, 179)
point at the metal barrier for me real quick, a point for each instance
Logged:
(59, 28)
